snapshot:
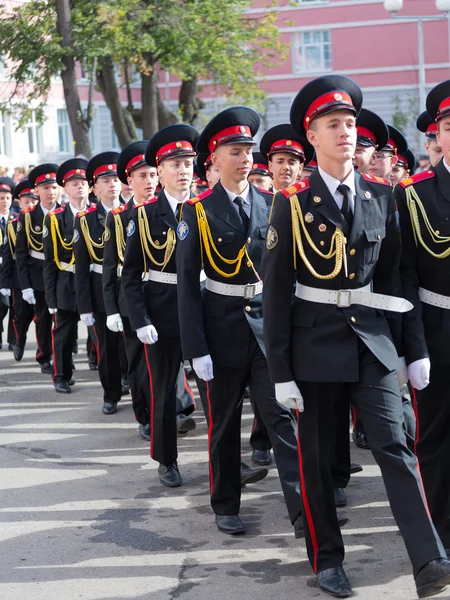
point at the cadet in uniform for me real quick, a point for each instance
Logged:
(372, 135)
(429, 128)
(9, 280)
(30, 256)
(423, 202)
(336, 236)
(6, 214)
(207, 170)
(224, 231)
(88, 246)
(259, 173)
(384, 159)
(59, 269)
(405, 166)
(142, 178)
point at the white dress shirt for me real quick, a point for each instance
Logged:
(446, 165)
(245, 195)
(333, 184)
(174, 202)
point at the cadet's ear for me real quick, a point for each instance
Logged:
(394, 161)
(215, 158)
(311, 137)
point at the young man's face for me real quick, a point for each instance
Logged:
(434, 151)
(285, 167)
(48, 193)
(27, 201)
(177, 173)
(212, 175)
(362, 158)
(262, 181)
(382, 163)
(77, 189)
(126, 190)
(234, 161)
(334, 136)
(397, 173)
(107, 188)
(143, 182)
(443, 137)
(5, 202)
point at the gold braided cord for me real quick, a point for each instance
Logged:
(337, 247)
(145, 237)
(120, 238)
(90, 244)
(413, 203)
(32, 242)
(56, 234)
(12, 236)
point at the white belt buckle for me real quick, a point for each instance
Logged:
(344, 298)
(249, 291)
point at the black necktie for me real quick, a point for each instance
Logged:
(178, 210)
(244, 217)
(346, 208)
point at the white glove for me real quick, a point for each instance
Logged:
(147, 334)
(87, 319)
(288, 395)
(52, 311)
(419, 373)
(114, 323)
(28, 296)
(5, 292)
(402, 371)
(203, 366)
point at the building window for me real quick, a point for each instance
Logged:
(311, 51)
(64, 135)
(33, 134)
(114, 140)
(3, 146)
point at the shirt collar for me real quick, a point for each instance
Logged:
(333, 184)
(75, 211)
(173, 201)
(47, 210)
(446, 165)
(244, 194)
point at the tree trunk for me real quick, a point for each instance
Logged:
(190, 105)
(79, 125)
(107, 83)
(149, 91)
(165, 115)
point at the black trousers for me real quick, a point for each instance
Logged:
(64, 334)
(91, 347)
(6, 307)
(340, 464)
(163, 364)
(108, 359)
(23, 317)
(433, 446)
(377, 399)
(44, 322)
(225, 394)
(259, 437)
(137, 374)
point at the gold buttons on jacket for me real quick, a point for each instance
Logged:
(352, 319)
(352, 252)
(219, 239)
(248, 308)
(351, 276)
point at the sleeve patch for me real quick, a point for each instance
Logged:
(131, 228)
(183, 230)
(272, 238)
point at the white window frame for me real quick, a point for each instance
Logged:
(33, 129)
(298, 41)
(64, 129)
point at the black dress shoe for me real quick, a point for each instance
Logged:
(433, 577)
(230, 524)
(18, 353)
(261, 457)
(334, 582)
(355, 468)
(124, 391)
(47, 368)
(340, 497)
(109, 408)
(169, 475)
(11, 347)
(359, 437)
(62, 387)
(249, 475)
(185, 425)
(144, 432)
(72, 380)
(93, 366)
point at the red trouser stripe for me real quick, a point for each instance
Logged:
(55, 371)
(354, 416)
(255, 424)
(152, 400)
(14, 321)
(187, 387)
(210, 428)
(416, 412)
(306, 507)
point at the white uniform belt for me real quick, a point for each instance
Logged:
(345, 298)
(434, 299)
(248, 291)
(160, 277)
(97, 268)
(66, 267)
(38, 255)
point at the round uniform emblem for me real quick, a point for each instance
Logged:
(76, 236)
(19, 226)
(107, 234)
(309, 217)
(38, 227)
(182, 230)
(131, 228)
(272, 238)
(44, 232)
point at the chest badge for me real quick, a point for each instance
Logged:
(272, 238)
(131, 228)
(317, 199)
(322, 227)
(309, 217)
(38, 227)
(182, 230)
(368, 195)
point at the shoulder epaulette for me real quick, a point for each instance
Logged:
(263, 191)
(56, 211)
(200, 197)
(151, 201)
(296, 188)
(119, 209)
(28, 209)
(417, 178)
(374, 179)
(13, 220)
(87, 211)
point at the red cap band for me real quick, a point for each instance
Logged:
(74, 174)
(290, 146)
(331, 99)
(402, 161)
(5, 187)
(432, 129)
(173, 149)
(311, 165)
(227, 135)
(135, 162)
(391, 145)
(260, 166)
(26, 192)
(45, 178)
(110, 169)
(444, 108)
(364, 132)
(208, 161)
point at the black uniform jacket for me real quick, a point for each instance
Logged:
(29, 268)
(426, 328)
(151, 303)
(8, 272)
(308, 341)
(88, 283)
(59, 284)
(112, 288)
(210, 323)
